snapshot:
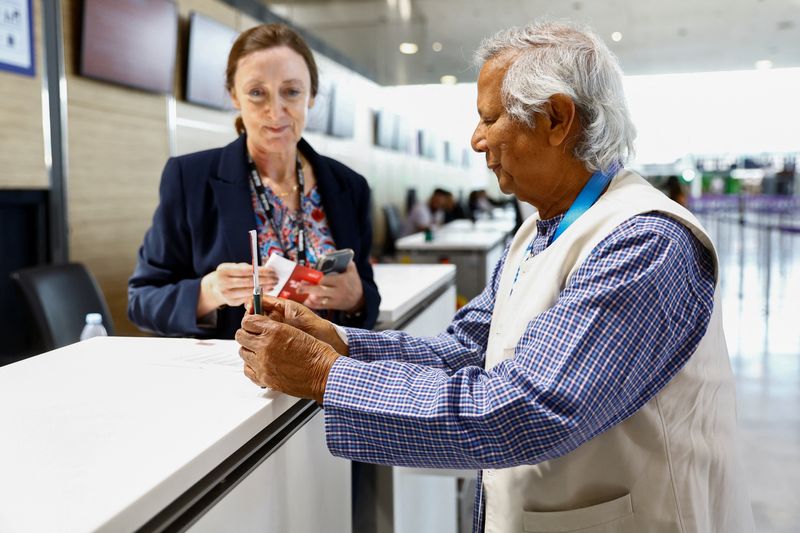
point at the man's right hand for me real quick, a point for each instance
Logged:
(301, 317)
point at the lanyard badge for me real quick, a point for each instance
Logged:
(302, 239)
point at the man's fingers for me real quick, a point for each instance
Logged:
(245, 353)
(273, 308)
(292, 312)
(270, 303)
(251, 374)
(251, 345)
(256, 324)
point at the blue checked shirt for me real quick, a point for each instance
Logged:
(626, 323)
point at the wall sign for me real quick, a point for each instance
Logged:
(16, 37)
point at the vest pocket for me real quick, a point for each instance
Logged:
(600, 518)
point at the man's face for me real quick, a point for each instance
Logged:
(520, 157)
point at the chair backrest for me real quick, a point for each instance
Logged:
(59, 297)
(394, 226)
(411, 199)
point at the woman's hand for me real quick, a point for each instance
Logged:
(340, 292)
(231, 284)
(267, 278)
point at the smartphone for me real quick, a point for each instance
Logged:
(335, 261)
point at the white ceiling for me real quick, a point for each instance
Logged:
(659, 36)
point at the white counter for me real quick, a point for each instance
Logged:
(117, 434)
(104, 434)
(404, 287)
(466, 239)
(474, 252)
(503, 225)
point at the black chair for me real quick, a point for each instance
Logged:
(59, 298)
(411, 199)
(394, 226)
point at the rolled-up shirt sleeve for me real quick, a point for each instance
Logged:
(627, 322)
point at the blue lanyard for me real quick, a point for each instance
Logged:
(586, 199)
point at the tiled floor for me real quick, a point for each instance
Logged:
(761, 296)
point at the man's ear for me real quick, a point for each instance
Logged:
(562, 115)
(311, 102)
(235, 100)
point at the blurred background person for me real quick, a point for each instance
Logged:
(193, 273)
(440, 208)
(676, 192)
(479, 204)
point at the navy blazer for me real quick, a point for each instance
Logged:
(204, 214)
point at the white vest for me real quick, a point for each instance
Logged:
(673, 465)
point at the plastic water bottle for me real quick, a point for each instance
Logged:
(94, 327)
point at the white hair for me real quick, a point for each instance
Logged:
(555, 57)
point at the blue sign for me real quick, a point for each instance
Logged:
(16, 37)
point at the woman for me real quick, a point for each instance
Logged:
(193, 275)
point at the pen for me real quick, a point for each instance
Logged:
(256, 284)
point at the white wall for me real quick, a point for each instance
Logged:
(389, 172)
(744, 112)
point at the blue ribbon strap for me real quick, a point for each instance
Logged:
(586, 198)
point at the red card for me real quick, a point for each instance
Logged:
(300, 275)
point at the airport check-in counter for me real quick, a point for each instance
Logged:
(153, 434)
(418, 299)
(473, 247)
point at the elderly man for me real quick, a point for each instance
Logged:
(590, 381)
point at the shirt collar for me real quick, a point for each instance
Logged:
(546, 228)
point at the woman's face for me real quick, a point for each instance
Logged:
(272, 90)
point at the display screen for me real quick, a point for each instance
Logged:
(130, 42)
(207, 58)
(403, 139)
(427, 144)
(385, 129)
(448, 152)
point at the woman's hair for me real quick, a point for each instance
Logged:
(263, 37)
(548, 58)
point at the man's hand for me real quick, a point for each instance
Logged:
(301, 317)
(283, 358)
